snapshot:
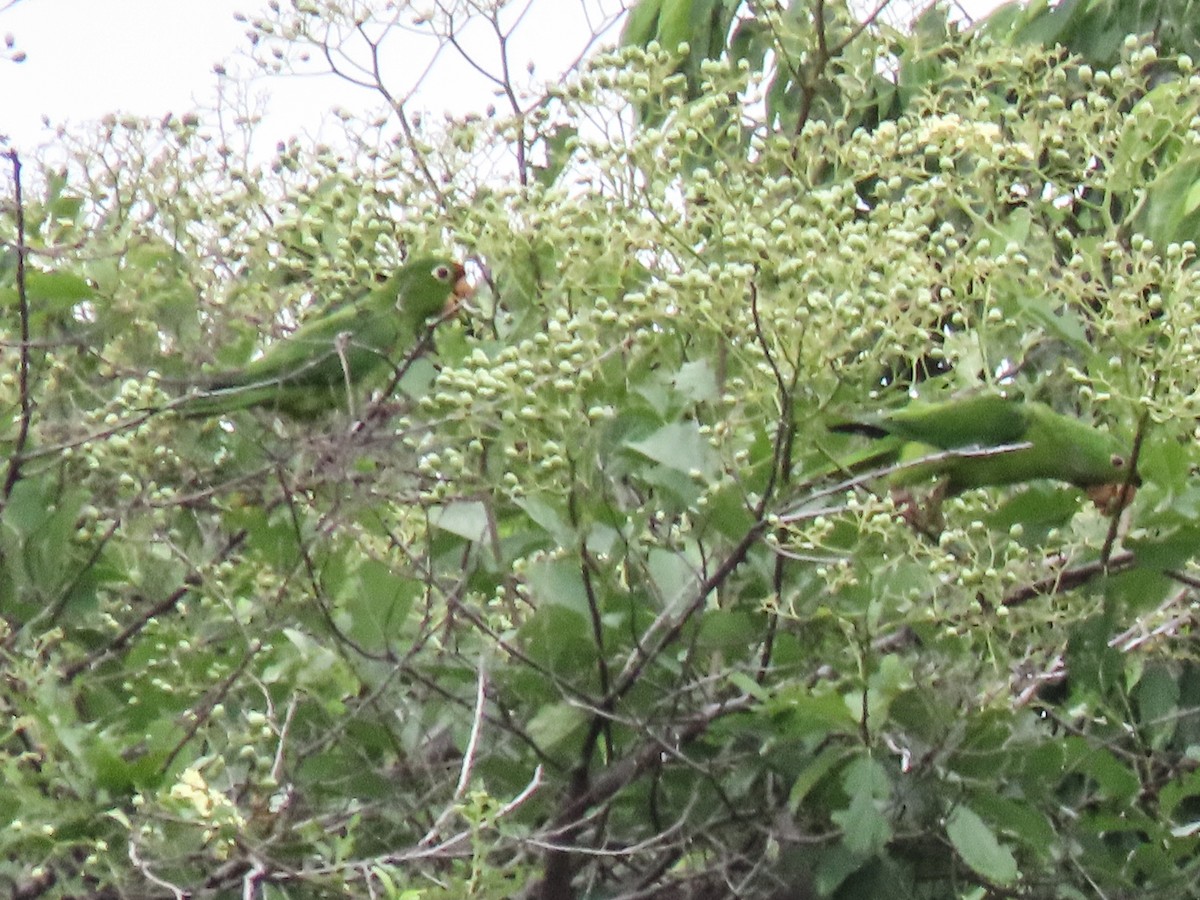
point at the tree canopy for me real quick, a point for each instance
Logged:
(600, 603)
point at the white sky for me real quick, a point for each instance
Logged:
(86, 58)
(89, 57)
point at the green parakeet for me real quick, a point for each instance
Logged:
(1058, 447)
(317, 368)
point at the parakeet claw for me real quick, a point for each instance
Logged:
(1110, 499)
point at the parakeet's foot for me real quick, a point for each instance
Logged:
(1111, 499)
(923, 515)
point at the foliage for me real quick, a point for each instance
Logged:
(593, 611)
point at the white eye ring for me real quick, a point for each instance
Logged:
(441, 273)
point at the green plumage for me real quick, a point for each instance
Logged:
(1060, 448)
(329, 359)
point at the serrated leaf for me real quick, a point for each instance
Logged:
(865, 829)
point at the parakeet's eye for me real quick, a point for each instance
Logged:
(441, 273)
(1118, 461)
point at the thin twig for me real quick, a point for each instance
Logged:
(468, 761)
(1067, 579)
(142, 866)
(797, 514)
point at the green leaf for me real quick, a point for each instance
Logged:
(893, 676)
(674, 23)
(1018, 819)
(558, 583)
(865, 830)
(674, 577)
(466, 518)
(1060, 322)
(555, 724)
(696, 381)
(273, 536)
(55, 291)
(810, 713)
(28, 506)
(728, 629)
(1178, 790)
(833, 868)
(678, 446)
(1114, 779)
(1168, 549)
(559, 639)
(812, 774)
(374, 603)
(557, 142)
(549, 518)
(748, 685)
(642, 23)
(978, 847)
(1157, 696)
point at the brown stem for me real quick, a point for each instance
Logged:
(14, 463)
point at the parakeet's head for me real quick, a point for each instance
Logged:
(432, 286)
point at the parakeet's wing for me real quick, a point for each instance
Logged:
(1074, 451)
(983, 421)
(346, 343)
(1050, 445)
(314, 368)
(1032, 441)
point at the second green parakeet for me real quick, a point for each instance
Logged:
(316, 368)
(1059, 447)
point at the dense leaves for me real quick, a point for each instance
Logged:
(599, 605)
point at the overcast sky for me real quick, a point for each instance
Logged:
(86, 58)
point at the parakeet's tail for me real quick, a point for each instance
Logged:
(867, 429)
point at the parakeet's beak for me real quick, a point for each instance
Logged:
(463, 291)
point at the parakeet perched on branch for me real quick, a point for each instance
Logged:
(328, 359)
(1044, 444)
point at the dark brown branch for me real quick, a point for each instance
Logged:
(785, 436)
(1125, 494)
(583, 798)
(825, 55)
(1069, 579)
(14, 463)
